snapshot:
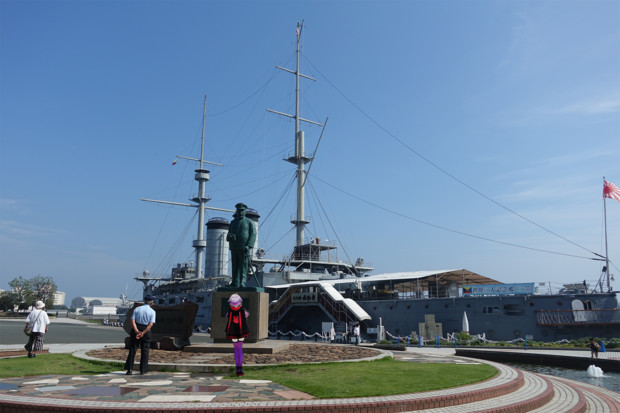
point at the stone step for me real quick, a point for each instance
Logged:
(566, 398)
(536, 391)
(598, 399)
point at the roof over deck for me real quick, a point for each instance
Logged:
(461, 276)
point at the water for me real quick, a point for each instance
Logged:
(610, 380)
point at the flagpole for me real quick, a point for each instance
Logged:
(606, 253)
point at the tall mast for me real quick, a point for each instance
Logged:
(299, 158)
(300, 222)
(201, 176)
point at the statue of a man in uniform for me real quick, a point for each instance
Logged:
(241, 237)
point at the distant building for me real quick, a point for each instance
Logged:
(100, 310)
(59, 298)
(86, 302)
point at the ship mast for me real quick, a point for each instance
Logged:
(299, 158)
(201, 176)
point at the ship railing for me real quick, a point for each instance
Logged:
(332, 256)
(278, 308)
(336, 308)
(577, 317)
(297, 334)
(281, 307)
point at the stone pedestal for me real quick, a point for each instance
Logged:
(256, 303)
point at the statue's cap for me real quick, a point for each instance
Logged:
(241, 205)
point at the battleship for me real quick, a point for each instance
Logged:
(312, 288)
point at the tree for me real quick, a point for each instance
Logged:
(26, 292)
(20, 289)
(7, 301)
(43, 288)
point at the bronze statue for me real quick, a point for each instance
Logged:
(241, 237)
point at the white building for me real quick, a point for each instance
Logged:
(86, 302)
(59, 298)
(101, 310)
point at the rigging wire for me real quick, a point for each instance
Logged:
(449, 229)
(263, 187)
(439, 168)
(242, 124)
(281, 238)
(176, 191)
(285, 193)
(331, 225)
(235, 106)
(166, 261)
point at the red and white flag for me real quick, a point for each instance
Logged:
(611, 191)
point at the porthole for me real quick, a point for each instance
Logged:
(531, 304)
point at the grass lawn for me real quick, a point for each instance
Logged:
(63, 364)
(327, 380)
(371, 378)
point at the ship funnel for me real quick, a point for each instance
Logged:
(253, 215)
(216, 257)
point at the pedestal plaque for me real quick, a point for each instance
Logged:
(256, 303)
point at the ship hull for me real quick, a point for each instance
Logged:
(536, 317)
(499, 318)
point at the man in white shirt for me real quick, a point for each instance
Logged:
(142, 321)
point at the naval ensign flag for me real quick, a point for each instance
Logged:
(611, 191)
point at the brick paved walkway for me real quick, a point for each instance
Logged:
(512, 390)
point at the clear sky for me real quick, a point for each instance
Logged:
(449, 113)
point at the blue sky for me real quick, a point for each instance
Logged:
(434, 108)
